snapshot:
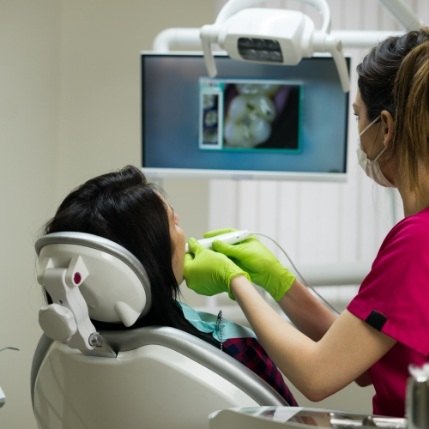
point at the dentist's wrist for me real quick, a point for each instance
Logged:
(237, 275)
(239, 284)
(286, 281)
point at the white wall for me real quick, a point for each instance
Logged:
(100, 79)
(69, 109)
(28, 134)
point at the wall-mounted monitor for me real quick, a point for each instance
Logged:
(250, 121)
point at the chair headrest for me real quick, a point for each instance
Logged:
(88, 275)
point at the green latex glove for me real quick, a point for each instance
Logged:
(207, 272)
(253, 257)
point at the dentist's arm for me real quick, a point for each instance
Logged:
(306, 311)
(311, 317)
(317, 368)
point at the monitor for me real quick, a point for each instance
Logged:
(252, 120)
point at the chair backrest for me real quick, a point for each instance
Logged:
(152, 377)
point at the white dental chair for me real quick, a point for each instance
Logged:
(151, 377)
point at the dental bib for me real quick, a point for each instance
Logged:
(220, 329)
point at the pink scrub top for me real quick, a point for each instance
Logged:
(394, 299)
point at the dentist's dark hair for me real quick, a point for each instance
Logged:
(124, 207)
(378, 70)
(394, 76)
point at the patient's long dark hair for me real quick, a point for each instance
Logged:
(124, 207)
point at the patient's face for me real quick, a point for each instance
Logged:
(178, 242)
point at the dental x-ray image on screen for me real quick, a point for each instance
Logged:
(248, 114)
(250, 121)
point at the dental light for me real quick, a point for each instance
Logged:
(271, 36)
(279, 36)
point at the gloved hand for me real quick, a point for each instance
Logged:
(256, 259)
(208, 272)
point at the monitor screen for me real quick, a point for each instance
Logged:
(252, 120)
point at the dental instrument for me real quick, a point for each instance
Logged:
(228, 237)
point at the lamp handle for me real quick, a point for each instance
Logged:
(208, 35)
(326, 42)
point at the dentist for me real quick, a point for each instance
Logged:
(385, 327)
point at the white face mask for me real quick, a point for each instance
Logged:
(372, 166)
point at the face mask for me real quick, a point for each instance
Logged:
(372, 167)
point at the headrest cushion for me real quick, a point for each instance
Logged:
(117, 288)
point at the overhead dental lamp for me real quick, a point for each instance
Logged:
(273, 36)
(279, 36)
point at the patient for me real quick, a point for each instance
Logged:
(123, 207)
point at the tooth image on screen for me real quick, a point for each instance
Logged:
(249, 116)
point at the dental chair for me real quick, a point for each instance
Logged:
(150, 377)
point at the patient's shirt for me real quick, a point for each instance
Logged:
(394, 299)
(240, 342)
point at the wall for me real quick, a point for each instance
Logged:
(100, 85)
(69, 109)
(28, 135)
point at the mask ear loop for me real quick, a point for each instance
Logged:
(373, 122)
(369, 125)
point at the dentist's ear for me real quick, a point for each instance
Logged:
(387, 123)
